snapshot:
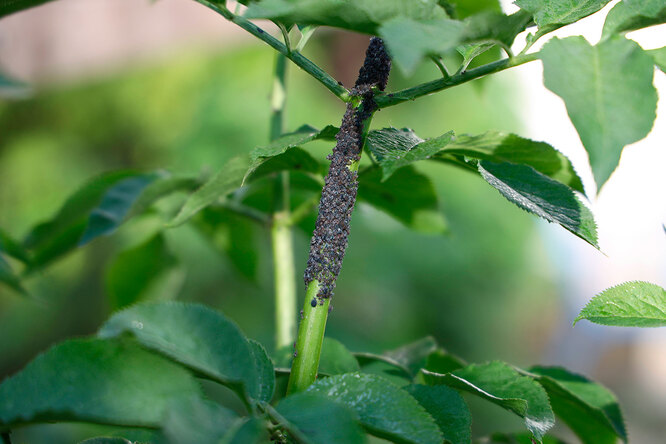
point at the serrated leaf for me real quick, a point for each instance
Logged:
(264, 388)
(659, 56)
(413, 356)
(93, 380)
(407, 195)
(383, 409)
(504, 386)
(542, 196)
(629, 15)
(631, 304)
(589, 409)
(447, 408)
(132, 272)
(506, 147)
(608, 92)
(552, 14)
(395, 148)
(196, 336)
(316, 419)
(8, 7)
(226, 180)
(198, 421)
(335, 359)
(284, 153)
(358, 15)
(115, 205)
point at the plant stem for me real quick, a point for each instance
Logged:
(330, 237)
(281, 231)
(385, 100)
(310, 338)
(299, 59)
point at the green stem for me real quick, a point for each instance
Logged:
(281, 230)
(310, 338)
(385, 100)
(299, 59)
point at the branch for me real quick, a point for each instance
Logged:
(299, 59)
(390, 99)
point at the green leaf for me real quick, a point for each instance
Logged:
(9, 278)
(504, 386)
(384, 409)
(629, 15)
(12, 248)
(407, 195)
(93, 380)
(358, 15)
(264, 387)
(131, 273)
(317, 420)
(552, 14)
(335, 359)
(518, 438)
(608, 92)
(590, 409)
(414, 356)
(198, 421)
(541, 195)
(448, 409)
(247, 431)
(232, 235)
(631, 304)
(106, 440)
(659, 56)
(226, 180)
(115, 205)
(440, 361)
(395, 148)
(410, 40)
(61, 234)
(505, 147)
(8, 7)
(284, 153)
(193, 335)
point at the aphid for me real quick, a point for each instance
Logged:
(313, 303)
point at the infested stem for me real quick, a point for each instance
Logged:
(281, 230)
(330, 237)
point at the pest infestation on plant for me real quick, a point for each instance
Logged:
(142, 372)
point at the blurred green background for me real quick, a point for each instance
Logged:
(475, 289)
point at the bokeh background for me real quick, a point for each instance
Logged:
(111, 84)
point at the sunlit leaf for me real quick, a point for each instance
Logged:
(629, 15)
(659, 56)
(608, 92)
(631, 304)
(552, 14)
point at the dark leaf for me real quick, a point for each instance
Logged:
(541, 195)
(197, 421)
(448, 409)
(414, 356)
(335, 359)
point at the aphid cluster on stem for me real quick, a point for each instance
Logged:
(329, 240)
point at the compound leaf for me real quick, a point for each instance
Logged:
(608, 92)
(94, 380)
(590, 409)
(504, 386)
(541, 195)
(631, 304)
(384, 409)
